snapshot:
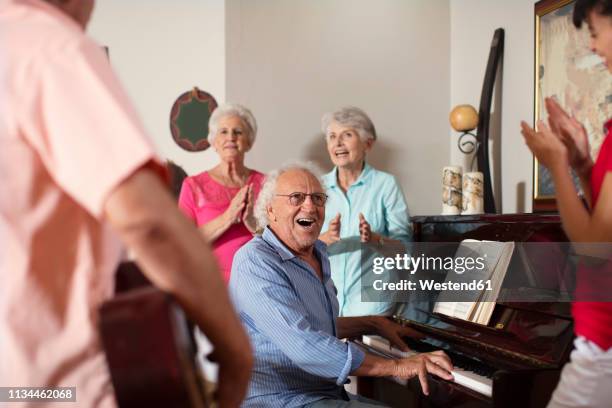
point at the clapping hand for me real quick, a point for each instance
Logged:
(365, 231)
(234, 212)
(572, 134)
(248, 217)
(545, 145)
(333, 232)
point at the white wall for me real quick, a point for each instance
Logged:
(291, 61)
(161, 49)
(472, 25)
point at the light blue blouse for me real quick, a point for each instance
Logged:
(379, 197)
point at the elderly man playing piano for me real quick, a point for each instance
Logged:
(281, 287)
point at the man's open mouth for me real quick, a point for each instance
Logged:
(306, 222)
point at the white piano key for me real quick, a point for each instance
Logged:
(473, 381)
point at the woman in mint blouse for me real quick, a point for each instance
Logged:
(364, 205)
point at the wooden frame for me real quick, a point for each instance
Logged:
(543, 198)
(554, 28)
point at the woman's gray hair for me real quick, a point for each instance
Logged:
(232, 109)
(353, 117)
(268, 190)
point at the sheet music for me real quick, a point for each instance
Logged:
(497, 257)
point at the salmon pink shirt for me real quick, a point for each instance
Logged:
(203, 199)
(68, 137)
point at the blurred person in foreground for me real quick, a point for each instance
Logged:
(561, 145)
(78, 177)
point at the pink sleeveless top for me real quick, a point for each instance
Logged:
(203, 199)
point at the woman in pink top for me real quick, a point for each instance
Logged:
(220, 201)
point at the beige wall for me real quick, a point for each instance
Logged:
(291, 61)
(406, 62)
(472, 26)
(160, 49)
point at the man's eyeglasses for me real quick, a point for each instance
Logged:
(295, 199)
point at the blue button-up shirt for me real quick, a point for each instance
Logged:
(379, 197)
(290, 316)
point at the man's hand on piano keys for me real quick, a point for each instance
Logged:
(436, 363)
(394, 332)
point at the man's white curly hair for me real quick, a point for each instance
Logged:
(268, 190)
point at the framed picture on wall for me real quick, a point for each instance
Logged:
(566, 69)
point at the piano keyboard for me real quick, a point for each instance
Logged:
(478, 380)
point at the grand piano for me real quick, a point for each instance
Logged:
(515, 360)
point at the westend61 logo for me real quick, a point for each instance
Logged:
(413, 264)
